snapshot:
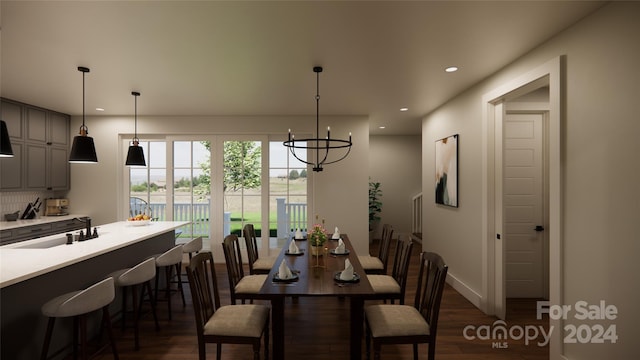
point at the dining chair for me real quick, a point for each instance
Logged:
(241, 287)
(257, 264)
(406, 324)
(378, 264)
(230, 324)
(392, 287)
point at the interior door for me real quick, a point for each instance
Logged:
(523, 191)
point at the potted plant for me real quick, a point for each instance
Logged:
(375, 205)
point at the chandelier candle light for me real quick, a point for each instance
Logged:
(317, 144)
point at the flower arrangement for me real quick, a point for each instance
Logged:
(317, 236)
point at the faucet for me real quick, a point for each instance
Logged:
(88, 235)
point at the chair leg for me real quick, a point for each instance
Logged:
(47, 338)
(415, 351)
(376, 351)
(218, 351)
(106, 321)
(266, 339)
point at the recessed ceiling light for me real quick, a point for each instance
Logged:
(381, 127)
(404, 109)
(99, 109)
(451, 69)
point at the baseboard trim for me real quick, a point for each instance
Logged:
(464, 290)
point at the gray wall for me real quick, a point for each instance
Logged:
(601, 172)
(395, 162)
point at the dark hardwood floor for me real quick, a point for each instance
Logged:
(317, 329)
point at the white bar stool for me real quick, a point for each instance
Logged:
(78, 304)
(140, 274)
(194, 246)
(171, 259)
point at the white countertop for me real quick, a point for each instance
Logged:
(6, 225)
(19, 264)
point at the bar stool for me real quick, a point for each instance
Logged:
(140, 274)
(171, 259)
(191, 247)
(78, 304)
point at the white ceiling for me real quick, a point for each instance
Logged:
(256, 58)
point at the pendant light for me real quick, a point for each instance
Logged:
(5, 143)
(135, 156)
(320, 146)
(83, 149)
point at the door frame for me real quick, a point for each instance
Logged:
(493, 280)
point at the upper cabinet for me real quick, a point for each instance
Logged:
(41, 138)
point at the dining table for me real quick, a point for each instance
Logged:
(317, 276)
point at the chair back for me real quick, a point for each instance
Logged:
(192, 246)
(431, 279)
(170, 257)
(233, 258)
(401, 261)
(138, 274)
(204, 289)
(385, 242)
(249, 234)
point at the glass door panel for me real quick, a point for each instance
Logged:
(191, 195)
(242, 183)
(147, 185)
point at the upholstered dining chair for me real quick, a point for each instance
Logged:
(257, 264)
(406, 324)
(378, 264)
(230, 324)
(392, 287)
(240, 286)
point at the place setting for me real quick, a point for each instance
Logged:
(339, 250)
(293, 249)
(299, 235)
(285, 274)
(346, 276)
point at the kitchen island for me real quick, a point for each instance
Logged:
(33, 272)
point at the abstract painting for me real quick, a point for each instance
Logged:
(447, 171)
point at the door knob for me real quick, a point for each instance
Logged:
(539, 228)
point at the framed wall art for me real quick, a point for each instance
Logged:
(447, 171)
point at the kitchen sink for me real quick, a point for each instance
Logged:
(43, 243)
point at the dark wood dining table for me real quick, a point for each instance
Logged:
(314, 280)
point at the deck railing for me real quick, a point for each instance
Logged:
(291, 216)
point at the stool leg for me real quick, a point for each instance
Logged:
(153, 305)
(83, 335)
(167, 291)
(106, 321)
(179, 271)
(76, 326)
(47, 338)
(136, 342)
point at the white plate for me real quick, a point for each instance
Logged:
(138, 222)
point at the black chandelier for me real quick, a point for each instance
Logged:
(317, 144)
(83, 149)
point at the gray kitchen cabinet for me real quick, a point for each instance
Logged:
(42, 136)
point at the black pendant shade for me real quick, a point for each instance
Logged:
(135, 155)
(5, 143)
(83, 149)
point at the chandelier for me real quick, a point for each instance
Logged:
(320, 146)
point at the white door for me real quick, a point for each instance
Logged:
(523, 190)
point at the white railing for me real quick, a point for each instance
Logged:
(291, 216)
(416, 214)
